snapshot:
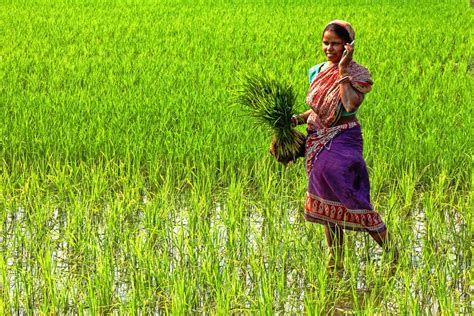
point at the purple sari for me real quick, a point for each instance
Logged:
(339, 188)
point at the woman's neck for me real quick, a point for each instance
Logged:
(330, 64)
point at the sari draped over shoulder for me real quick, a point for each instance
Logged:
(323, 96)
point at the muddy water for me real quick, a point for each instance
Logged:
(293, 303)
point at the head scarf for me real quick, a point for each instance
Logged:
(346, 25)
(324, 92)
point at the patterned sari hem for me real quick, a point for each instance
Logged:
(333, 213)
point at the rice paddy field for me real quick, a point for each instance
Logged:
(131, 182)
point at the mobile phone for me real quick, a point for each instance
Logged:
(351, 43)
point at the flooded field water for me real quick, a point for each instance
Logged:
(57, 266)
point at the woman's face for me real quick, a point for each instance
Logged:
(333, 46)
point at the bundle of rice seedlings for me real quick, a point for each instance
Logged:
(273, 104)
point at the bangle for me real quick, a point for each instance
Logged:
(344, 79)
(299, 119)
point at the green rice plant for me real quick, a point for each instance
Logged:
(273, 104)
(123, 191)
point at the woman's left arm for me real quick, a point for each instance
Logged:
(350, 97)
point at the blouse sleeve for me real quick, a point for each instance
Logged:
(313, 71)
(360, 78)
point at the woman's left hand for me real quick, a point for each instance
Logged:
(346, 57)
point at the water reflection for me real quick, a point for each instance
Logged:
(64, 261)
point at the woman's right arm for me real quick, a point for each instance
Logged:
(301, 118)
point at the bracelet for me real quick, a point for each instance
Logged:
(343, 79)
(299, 119)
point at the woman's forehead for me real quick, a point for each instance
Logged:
(331, 36)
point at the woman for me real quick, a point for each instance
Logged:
(338, 193)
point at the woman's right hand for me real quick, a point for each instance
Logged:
(300, 118)
(294, 120)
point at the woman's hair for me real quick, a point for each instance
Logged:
(339, 30)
